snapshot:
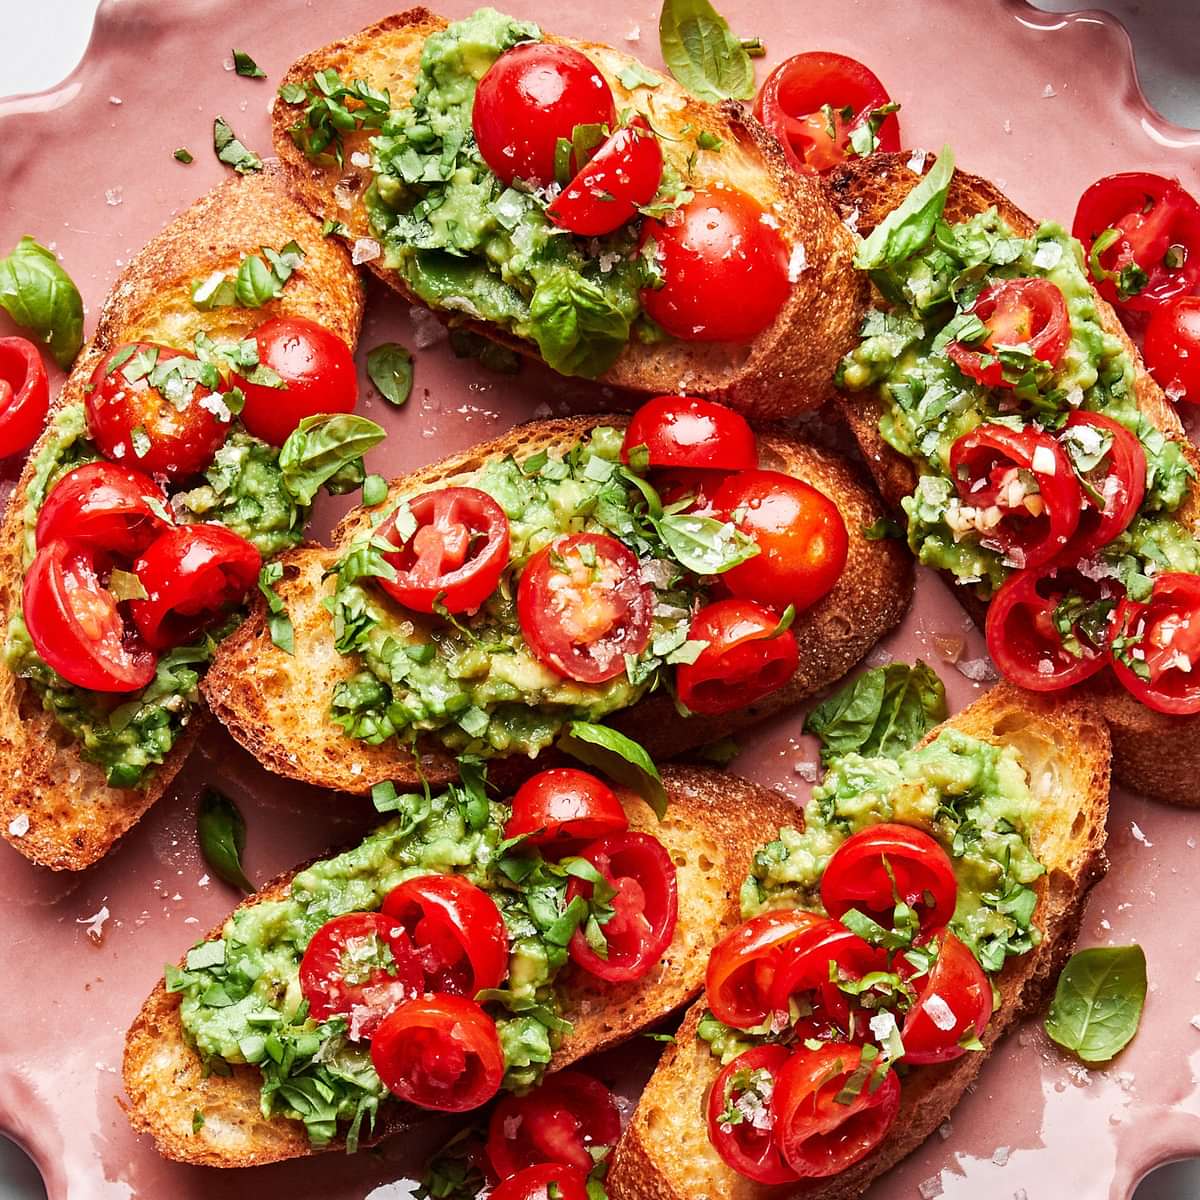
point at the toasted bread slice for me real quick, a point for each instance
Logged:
(712, 828)
(786, 369)
(665, 1153)
(1152, 752)
(276, 704)
(74, 816)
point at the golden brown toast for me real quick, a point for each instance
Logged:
(665, 1153)
(786, 369)
(74, 816)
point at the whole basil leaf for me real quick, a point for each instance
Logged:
(320, 446)
(222, 834)
(577, 327)
(278, 621)
(1098, 1002)
(40, 296)
(617, 756)
(704, 544)
(908, 227)
(390, 367)
(702, 54)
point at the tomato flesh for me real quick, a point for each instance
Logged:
(685, 432)
(1154, 645)
(1172, 348)
(564, 805)
(106, 506)
(535, 1183)
(1114, 488)
(954, 1002)
(24, 395)
(748, 1146)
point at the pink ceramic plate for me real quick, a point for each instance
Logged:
(1042, 104)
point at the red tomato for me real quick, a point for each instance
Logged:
(687, 432)
(531, 96)
(874, 868)
(801, 539)
(562, 1121)
(583, 606)
(701, 486)
(790, 105)
(745, 658)
(1031, 313)
(1172, 348)
(817, 1134)
(748, 1146)
(564, 805)
(1113, 489)
(1027, 477)
(135, 423)
(317, 368)
(645, 908)
(440, 1052)
(741, 966)
(954, 999)
(622, 175)
(24, 395)
(106, 506)
(457, 554)
(1154, 644)
(1141, 233)
(534, 1183)
(455, 931)
(725, 269)
(192, 575)
(75, 624)
(358, 966)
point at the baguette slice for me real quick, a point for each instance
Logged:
(789, 366)
(712, 828)
(74, 816)
(1153, 753)
(665, 1153)
(276, 704)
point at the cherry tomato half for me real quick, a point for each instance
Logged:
(724, 269)
(745, 659)
(954, 999)
(583, 606)
(24, 395)
(75, 624)
(316, 367)
(791, 100)
(456, 933)
(192, 575)
(1154, 644)
(534, 1183)
(440, 1052)
(1172, 348)
(457, 554)
(107, 506)
(687, 432)
(748, 1146)
(801, 538)
(645, 908)
(1113, 488)
(531, 96)
(564, 805)
(1141, 233)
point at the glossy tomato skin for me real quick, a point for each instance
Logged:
(315, 364)
(107, 506)
(531, 96)
(725, 269)
(24, 395)
(958, 983)
(801, 537)
(562, 806)
(1162, 634)
(1120, 479)
(1172, 348)
(700, 485)
(690, 433)
(534, 1183)
(744, 1147)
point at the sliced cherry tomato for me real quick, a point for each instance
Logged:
(107, 506)
(801, 539)
(563, 1121)
(535, 1183)
(440, 1052)
(192, 574)
(1172, 348)
(804, 100)
(745, 659)
(1113, 488)
(532, 96)
(359, 966)
(817, 1133)
(1022, 488)
(701, 486)
(955, 1000)
(583, 606)
(1030, 313)
(564, 805)
(24, 395)
(317, 370)
(1141, 233)
(748, 1146)
(133, 422)
(1154, 644)
(75, 624)
(645, 907)
(687, 432)
(724, 269)
(455, 557)
(455, 931)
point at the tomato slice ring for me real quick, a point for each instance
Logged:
(748, 1147)
(535, 1183)
(687, 433)
(955, 989)
(1113, 489)
(107, 506)
(24, 395)
(564, 805)
(1154, 645)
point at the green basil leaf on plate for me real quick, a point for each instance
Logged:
(222, 833)
(702, 53)
(322, 446)
(1098, 1002)
(41, 297)
(231, 152)
(246, 67)
(390, 367)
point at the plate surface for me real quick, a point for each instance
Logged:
(1040, 103)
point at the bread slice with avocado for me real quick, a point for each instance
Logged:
(665, 1153)
(787, 368)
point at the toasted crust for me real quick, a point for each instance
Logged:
(786, 369)
(712, 828)
(1153, 753)
(74, 817)
(665, 1154)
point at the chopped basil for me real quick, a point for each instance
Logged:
(1098, 1002)
(41, 297)
(245, 66)
(390, 367)
(702, 53)
(864, 137)
(183, 155)
(908, 227)
(884, 528)
(753, 46)
(125, 585)
(708, 141)
(222, 834)
(705, 545)
(332, 228)
(635, 76)
(617, 756)
(326, 116)
(278, 621)
(197, 1120)
(231, 152)
(374, 490)
(257, 281)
